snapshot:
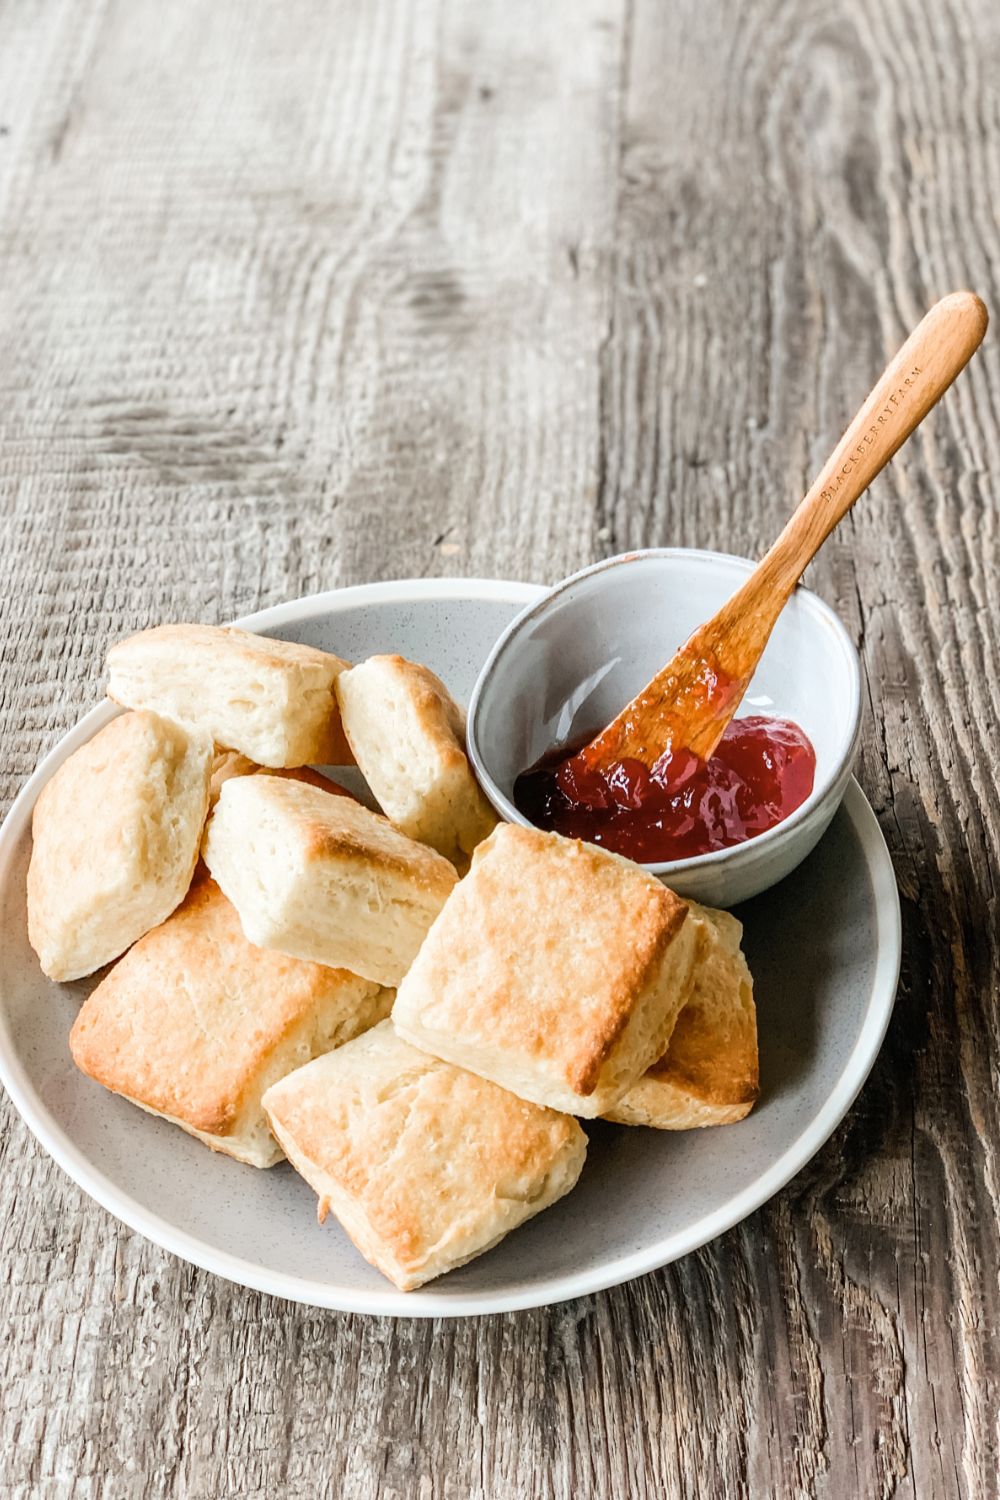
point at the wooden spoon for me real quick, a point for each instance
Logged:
(689, 703)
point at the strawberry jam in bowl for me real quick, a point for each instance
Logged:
(762, 771)
(720, 831)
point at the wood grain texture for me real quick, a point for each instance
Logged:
(301, 295)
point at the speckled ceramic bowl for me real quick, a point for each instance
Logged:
(568, 663)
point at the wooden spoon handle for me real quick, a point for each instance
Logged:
(937, 350)
(691, 700)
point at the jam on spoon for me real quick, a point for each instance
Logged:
(761, 771)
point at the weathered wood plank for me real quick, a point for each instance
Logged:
(880, 1349)
(297, 296)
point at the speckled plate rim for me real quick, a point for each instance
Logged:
(428, 1304)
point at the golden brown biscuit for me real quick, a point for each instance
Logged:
(323, 878)
(195, 1023)
(425, 1165)
(556, 969)
(709, 1072)
(408, 736)
(116, 835)
(272, 700)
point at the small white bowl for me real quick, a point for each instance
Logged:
(568, 663)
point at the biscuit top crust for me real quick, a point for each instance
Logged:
(254, 650)
(338, 829)
(422, 1147)
(544, 949)
(187, 1019)
(713, 1047)
(439, 716)
(99, 821)
(137, 753)
(273, 700)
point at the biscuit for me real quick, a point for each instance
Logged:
(709, 1072)
(195, 1023)
(229, 763)
(556, 969)
(425, 1165)
(272, 700)
(408, 736)
(116, 835)
(323, 878)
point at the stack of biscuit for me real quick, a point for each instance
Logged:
(415, 1006)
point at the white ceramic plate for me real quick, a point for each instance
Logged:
(824, 949)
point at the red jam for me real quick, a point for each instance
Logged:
(762, 770)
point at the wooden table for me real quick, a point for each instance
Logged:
(301, 295)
